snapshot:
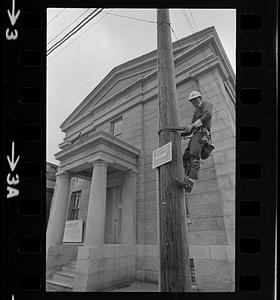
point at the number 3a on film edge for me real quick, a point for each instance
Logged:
(11, 35)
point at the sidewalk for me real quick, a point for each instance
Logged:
(138, 286)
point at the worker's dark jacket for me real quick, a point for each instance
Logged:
(191, 157)
(204, 113)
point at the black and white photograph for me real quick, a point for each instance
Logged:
(140, 150)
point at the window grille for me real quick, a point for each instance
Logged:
(75, 205)
(193, 274)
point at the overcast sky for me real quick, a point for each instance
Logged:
(78, 65)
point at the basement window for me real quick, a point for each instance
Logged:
(194, 286)
(116, 126)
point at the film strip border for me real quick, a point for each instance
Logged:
(24, 124)
(24, 134)
(256, 135)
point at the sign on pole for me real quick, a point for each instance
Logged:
(162, 155)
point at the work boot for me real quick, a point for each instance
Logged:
(189, 183)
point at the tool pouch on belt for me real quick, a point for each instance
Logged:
(207, 146)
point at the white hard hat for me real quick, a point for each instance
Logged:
(194, 94)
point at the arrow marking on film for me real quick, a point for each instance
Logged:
(13, 17)
(12, 162)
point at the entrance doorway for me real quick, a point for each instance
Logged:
(113, 215)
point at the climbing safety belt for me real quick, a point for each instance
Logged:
(174, 129)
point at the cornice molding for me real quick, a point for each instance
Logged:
(99, 146)
(99, 137)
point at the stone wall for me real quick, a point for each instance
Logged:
(211, 203)
(147, 263)
(102, 267)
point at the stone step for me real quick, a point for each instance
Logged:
(58, 286)
(67, 277)
(49, 288)
(68, 268)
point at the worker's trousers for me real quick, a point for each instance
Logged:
(191, 157)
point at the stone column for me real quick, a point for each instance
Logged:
(95, 225)
(128, 227)
(58, 213)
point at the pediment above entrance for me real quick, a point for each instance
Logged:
(112, 85)
(79, 157)
(127, 74)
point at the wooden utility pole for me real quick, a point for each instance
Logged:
(174, 255)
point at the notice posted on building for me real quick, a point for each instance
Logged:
(73, 232)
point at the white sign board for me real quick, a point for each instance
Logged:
(162, 155)
(73, 232)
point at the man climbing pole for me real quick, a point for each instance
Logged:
(199, 146)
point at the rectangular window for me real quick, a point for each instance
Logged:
(75, 205)
(193, 274)
(116, 126)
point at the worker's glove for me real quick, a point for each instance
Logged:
(188, 129)
(184, 134)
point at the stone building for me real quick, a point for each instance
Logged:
(108, 145)
(51, 170)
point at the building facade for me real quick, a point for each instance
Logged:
(106, 177)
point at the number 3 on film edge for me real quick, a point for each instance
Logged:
(13, 18)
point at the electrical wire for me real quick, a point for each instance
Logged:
(193, 20)
(132, 18)
(173, 32)
(73, 29)
(56, 16)
(138, 19)
(68, 26)
(77, 38)
(107, 13)
(188, 21)
(72, 32)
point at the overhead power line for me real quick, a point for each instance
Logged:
(56, 16)
(188, 21)
(132, 18)
(105, 13)
(193, 20)
(74, 30)
(138, 19)
(77, 37)
(68, 26)
(50, 50)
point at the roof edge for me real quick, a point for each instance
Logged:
(118, 68)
